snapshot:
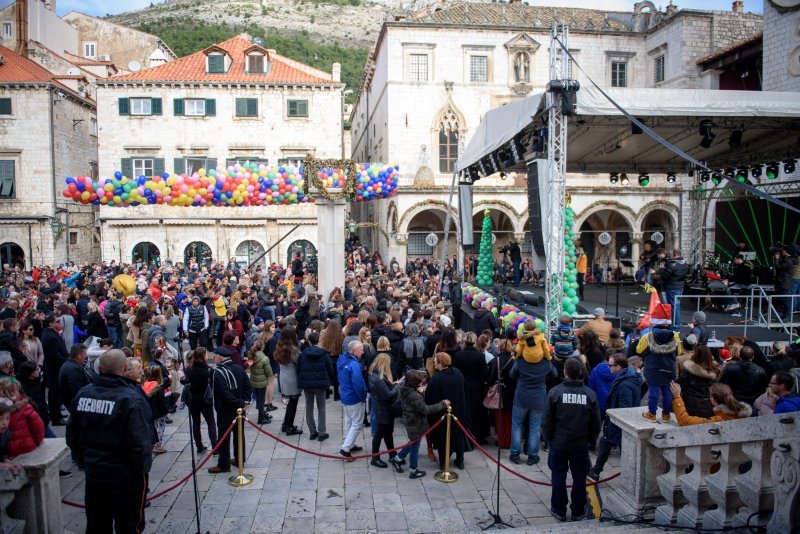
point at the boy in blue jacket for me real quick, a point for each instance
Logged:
(353, 394)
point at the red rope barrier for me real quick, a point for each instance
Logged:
(347, 458)
(520, 475)
(181, 481)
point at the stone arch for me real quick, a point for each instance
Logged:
(600, 205)
(669, 212)
(668, 207)
(11, 242)
(504, 207)
(160, 250)
(259, 242)
(185, 246)
(439, 205)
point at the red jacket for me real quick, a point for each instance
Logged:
(27, 430)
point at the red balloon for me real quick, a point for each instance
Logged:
(67, 193)
(76, 196)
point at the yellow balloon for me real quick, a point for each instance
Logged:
(124, 283)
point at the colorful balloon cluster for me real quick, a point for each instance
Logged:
(570, 299)
(376, 181)
(475, 297)
(485, 262)
(247, 184)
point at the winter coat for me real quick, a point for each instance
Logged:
(533, 347)
(198, 376)
(783, 273)
(695, 383)
(35, 393)
(788, 403)
(530, 392)
(155, 332)
(314, 369)
(414, 352)
(352, 388)
(287, 378)
(600, 381)
(32, 349)
(746, 379)
(765, 404)
(564, 341)
(260, 370)
(96, 326)
(506, 362)
(156, 398)
(485, 320)
(673, 274)
(625, 393)
(721, 413)
(232, 388)
(600, 326)
(571, 419)
(415, 411)
(55, 354)
(72, 377)
(68, 330)
(449, 384)
(659, 350)
(27, 430)
(384, 395)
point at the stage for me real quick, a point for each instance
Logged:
(627, 304)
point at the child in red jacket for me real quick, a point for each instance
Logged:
(27, 428)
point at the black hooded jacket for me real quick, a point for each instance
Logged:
(571, 418)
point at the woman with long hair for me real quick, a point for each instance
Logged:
(266, 338)
(448, 383)
(29, 344)
(135, 323)
(500, 370)
(171, 328)
(153, 386)
(472, 364)
(591, 347)
(330, 340)
(197, 375)
(725, 406)
(286, 355)
(699, 374)
(382, 388)
(96, 326)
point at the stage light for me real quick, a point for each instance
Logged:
(755, 171)
(623, 179)
(789, 166)
(705, 176)
(708, 133)
(716, 177)
(690, 172)
(671, 177)
(735, 140)
(614, 177)
(772, 170)
(741, 175)
(644, 179)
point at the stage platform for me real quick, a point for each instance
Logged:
(631, 301)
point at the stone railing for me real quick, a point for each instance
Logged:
(717, 475)
(30, 500)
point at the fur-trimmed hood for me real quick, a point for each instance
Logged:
(692, 368)
(744, 411)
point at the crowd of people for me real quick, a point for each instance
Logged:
(387, 346)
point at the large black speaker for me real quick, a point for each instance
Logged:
(465, 214)
(535, 206)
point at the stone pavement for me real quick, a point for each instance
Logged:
(296, 493)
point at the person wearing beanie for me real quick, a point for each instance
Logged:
(689, 346)
(659, 349)
(533, 346)
(698, 327)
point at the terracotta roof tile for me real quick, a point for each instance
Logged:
(192, 68)
(19, 69)
(730, 49)
(516, 15)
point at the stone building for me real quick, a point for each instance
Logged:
(48, 130)
(430, 78)
(190, 114)
(781, 45)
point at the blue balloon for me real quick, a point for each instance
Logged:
(81, 187)
(70, 180)
(142, 180)
(151, 200)
(118, 175)
(165, 175)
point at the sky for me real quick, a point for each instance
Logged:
(113, 7)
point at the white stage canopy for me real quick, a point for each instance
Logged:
(601, 138)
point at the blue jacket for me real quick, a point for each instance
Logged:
(788, 403)
(352, 388)
(530, 392)
(625, 392)
(314, 369)
(600, 382)
(660, 356)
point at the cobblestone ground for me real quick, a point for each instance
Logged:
(296, 493)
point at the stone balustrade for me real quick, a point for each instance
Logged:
(30, 500)
(714, 476)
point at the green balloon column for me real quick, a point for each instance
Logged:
(570, 298)
(485, 267)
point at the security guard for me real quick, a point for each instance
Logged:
(109, 424)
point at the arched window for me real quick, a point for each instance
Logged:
(448, 141)
(12, 255)
(249, 251)
(307, 251)
(146, 253)
(198, 251)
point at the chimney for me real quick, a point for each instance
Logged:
(737, 6)
(336, 72)
(22, 28)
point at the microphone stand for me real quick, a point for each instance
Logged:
(495, 516)
(194, 468)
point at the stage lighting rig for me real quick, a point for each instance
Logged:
(614, 177)
(755, 171)
(644, 179)
(671, 177)
(623, 179)
(716, 177)
(789, 166)
(735, 140)
(741, 175)
(772, 170)
(705, 176)
(708, 133)
(567, 89)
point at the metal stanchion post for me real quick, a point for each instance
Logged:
(242, 479)
(446, 476)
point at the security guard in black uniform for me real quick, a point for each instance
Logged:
(109, 424)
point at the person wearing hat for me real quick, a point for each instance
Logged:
(599, 325)
(659, 349)
(698, 327)
(195, 323)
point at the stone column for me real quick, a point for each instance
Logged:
(330, 236)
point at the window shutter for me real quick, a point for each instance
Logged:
(216, 64)
(5, 106)
(155, 106)
(211, 107)
(124, 106)
(241, 107)
(180, 166)
(7, 179)
(211, 163)
(252, 107)
(303, 108)
(126, 166)
(158, 166)
(177, 107)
